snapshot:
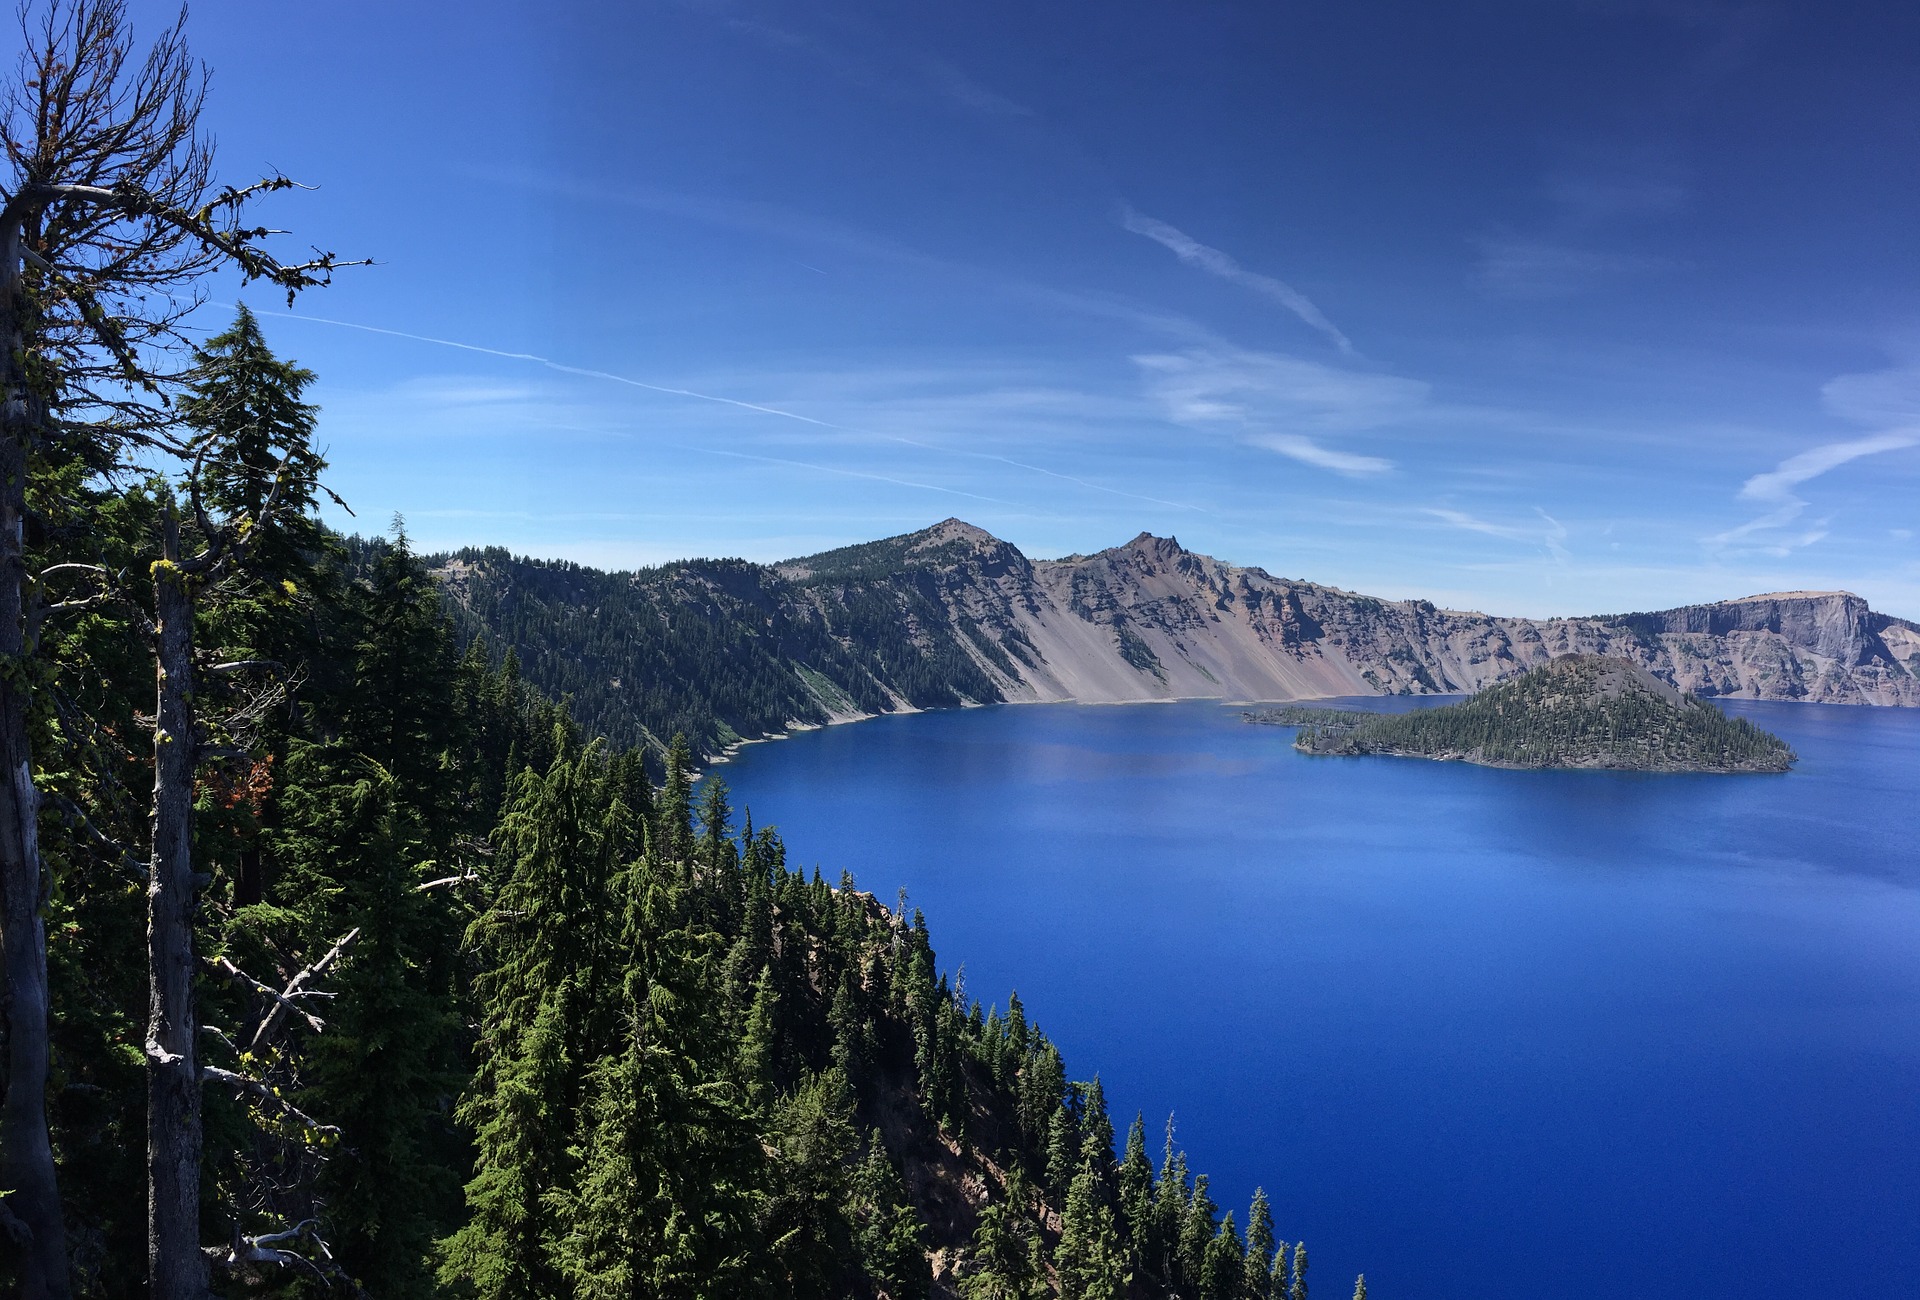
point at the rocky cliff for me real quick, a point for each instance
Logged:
(726, 650)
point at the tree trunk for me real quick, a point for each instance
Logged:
(26, 1150)
(176, 1269)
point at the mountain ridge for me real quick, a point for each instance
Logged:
(950, 615)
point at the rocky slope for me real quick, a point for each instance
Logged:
(725, 650)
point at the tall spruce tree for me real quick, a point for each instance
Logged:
(544, 944)
(1091, 1262)
(1257, 1278)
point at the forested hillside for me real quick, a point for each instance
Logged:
(340, 961)
(715, 650)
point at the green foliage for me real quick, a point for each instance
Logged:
(719, 650)
(1091, 1260)
(889, 1239)
(1005, 1260)
(1582, 711)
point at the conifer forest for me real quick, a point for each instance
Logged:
(341, 961)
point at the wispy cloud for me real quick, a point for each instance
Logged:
(1575, 246)
(1777, 484)
(1235, 387)
(1876, 397)
(1309, 452)
(1265, 398)
(1550, 534)
(1214, 262)
(1777, 488)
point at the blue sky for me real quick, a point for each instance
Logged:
(1535, 306)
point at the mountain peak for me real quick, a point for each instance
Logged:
(955, 529)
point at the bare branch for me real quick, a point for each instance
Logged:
(266, 1096)
(296, 987)
(238, 976)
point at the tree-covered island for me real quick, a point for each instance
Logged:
(1586, 711)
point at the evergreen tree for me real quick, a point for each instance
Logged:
(1223, 1264)
(1171, 1191)
(1196, 1232)
(1091, 1262)
(1258, 1277)
(1096, 1142)
(1360, 1287)
(805, 1220)
(354, 854)
(1005, 1259)
(1136, 1187)
(544, 942)
(757, 1046)
(889, 1239)
(1063, 1151)
(1297, 1284)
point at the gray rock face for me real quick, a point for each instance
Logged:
(1152, 620)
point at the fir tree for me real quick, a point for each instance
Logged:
(544, 940)
(1063, 1151)
(1258, 1276)
(1091, 1262)
(889, 1238)
(1005, 1259)
(1223, 1264)
(1360, 1287)
(1297, 1284)
(1136, 1186)
(757, 1045)
(1196, 1232)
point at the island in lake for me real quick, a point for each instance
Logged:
(1588, 711)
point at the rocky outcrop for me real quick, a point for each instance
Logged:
(1152, 620)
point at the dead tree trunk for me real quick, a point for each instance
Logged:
(26, 1150)
(175, 1265)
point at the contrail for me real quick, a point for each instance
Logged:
(565, 369)
(559, 366)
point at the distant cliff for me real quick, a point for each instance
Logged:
(1576, 711)
(725, 650)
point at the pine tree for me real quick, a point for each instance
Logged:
(1091, 1262)
(1360, 1287)
(757, 1044)
(1063, 1150)
(1096, 1142)
(545, 941)
(353, 858)
(1197, 1232)
(1005, 1259)
(1223, 1263)
(1171, 1191)
(1297, 1286)
(805, 1221)
(1257, 1279)
(889, 1239)
(1136, 1187)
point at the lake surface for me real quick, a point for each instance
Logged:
(1479, 1033)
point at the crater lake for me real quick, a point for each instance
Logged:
(1479, 1033)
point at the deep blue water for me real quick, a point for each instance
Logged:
(1479, 1033)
